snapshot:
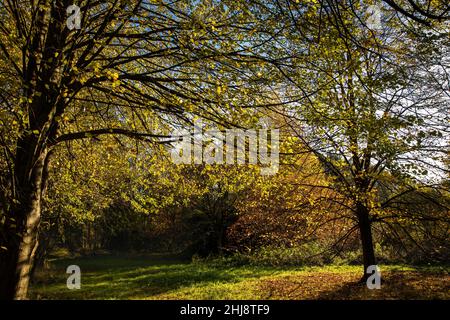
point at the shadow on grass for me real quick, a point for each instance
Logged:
(397, 283)
(109, 277)
(118, 277)
(406, 285)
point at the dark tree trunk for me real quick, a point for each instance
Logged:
(27, 250)
(21, 245)
(365, 230)
(43, 76)
(20, 230)
(8, 263)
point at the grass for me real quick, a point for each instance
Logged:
(156, 277)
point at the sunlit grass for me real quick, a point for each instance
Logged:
(111, 277)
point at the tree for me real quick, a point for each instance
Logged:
(373, 107)
(132, 65)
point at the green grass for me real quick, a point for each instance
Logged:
(156, 277)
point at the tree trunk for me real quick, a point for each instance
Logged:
(20, 230)
(27, 251)
(17, 260)
(365, 231)
(42, 78)
(8, 263)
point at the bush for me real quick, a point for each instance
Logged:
(308, 254)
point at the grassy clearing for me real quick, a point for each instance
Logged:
(153, 277)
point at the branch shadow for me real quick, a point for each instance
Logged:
(403, 285)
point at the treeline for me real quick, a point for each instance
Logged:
(149, 205)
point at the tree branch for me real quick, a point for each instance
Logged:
(148, 137)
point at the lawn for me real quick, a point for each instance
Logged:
(155, 277)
